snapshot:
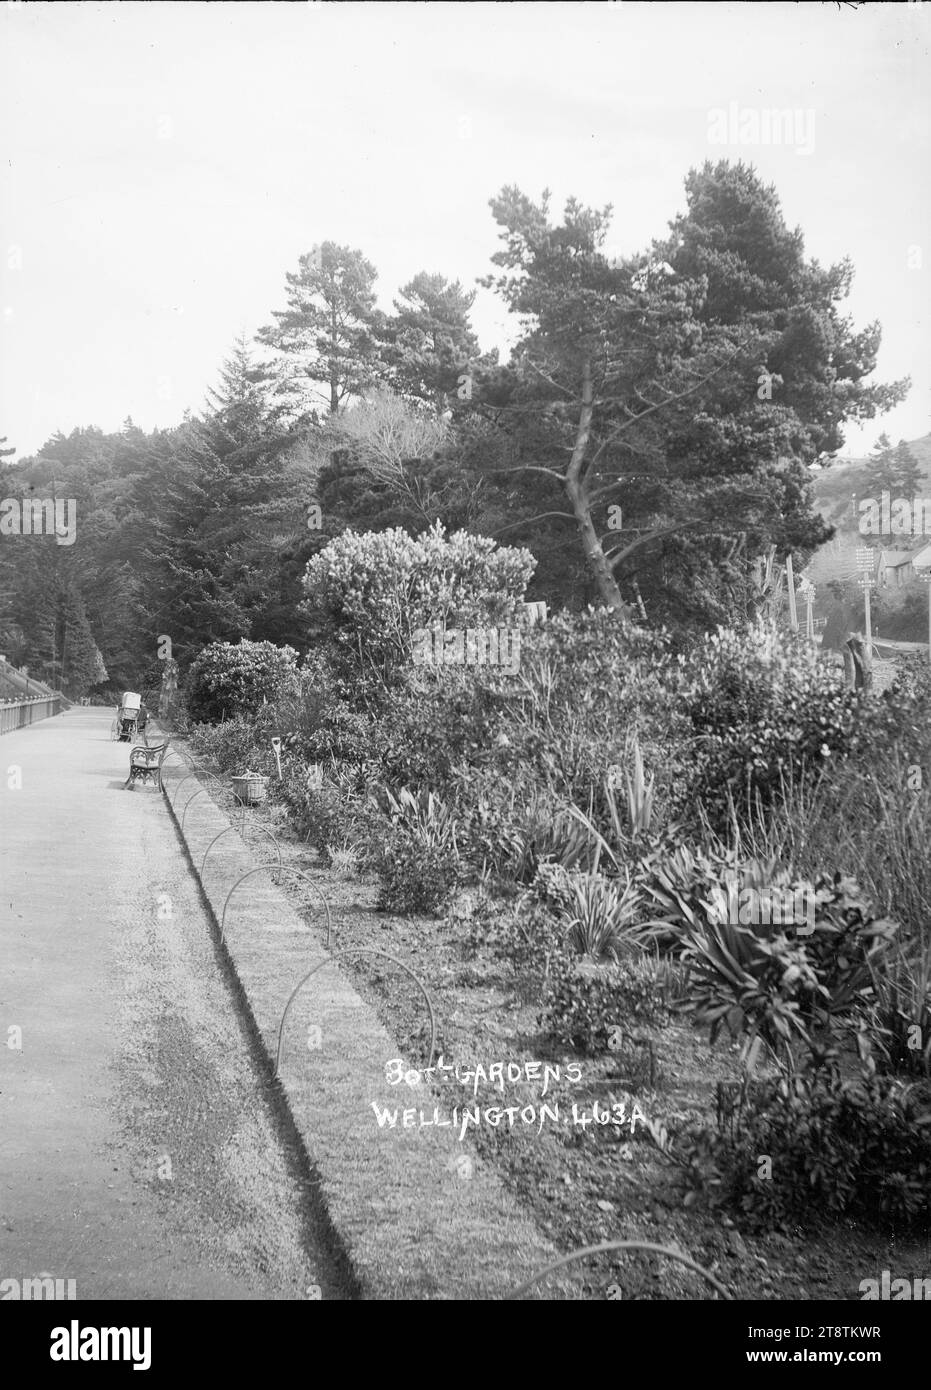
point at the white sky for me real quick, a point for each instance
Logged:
(162, 166)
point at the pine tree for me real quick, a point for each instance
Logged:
(432, 342)
(78, 657)
(675, 399)
(733, 234)
(894, 470)
(239, 408)
(331, 333)
(229, 503)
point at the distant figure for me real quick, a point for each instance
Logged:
(142, 720)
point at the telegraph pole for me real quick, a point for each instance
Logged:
(866, 580)
(790, 585)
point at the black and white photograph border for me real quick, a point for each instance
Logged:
(465, 663)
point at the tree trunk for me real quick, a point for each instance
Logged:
(860, 663)
(334, 360)
(598, 561)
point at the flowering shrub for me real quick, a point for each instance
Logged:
(327, 810)
(367, 594)
(226, 680)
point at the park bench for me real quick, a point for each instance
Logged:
(146, 762)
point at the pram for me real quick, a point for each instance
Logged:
(127, 717)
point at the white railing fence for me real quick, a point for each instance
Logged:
(14, 714)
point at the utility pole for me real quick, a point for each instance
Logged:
(866, 580)
(806, 590)
(790, 585)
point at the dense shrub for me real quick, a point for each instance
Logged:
(502, 752)
(848, 946)
(414, 877)
(590, 684)
(585, 1005)
(757, 981)
(236, 745)
(303, 708)
(315, 813)
(521, 933)
(900, 718)
(877, 818)
(510, 756)
(677, 882)
(433, 723)
(343, 734)
(418, 859)
(326, 810)
(493, 826)
(760, 709)
(898, 1025)
(838, 1146)
(367, 594)
(226, 680)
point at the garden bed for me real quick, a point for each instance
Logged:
(583, 1183)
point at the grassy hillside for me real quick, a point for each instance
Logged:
(835, 486)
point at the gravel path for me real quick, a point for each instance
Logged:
(140, 1152)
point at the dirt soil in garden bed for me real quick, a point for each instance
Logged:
(583, 1183)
